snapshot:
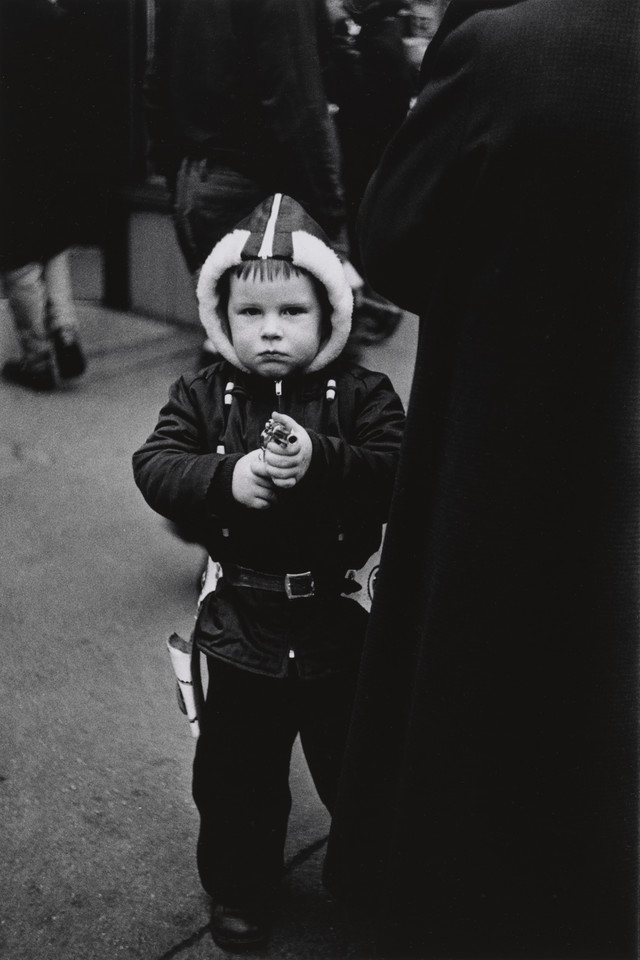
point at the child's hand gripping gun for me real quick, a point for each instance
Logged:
(286, 450)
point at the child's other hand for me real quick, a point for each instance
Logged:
(251, 485)
(287, 465)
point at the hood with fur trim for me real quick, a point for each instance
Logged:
(278, 228)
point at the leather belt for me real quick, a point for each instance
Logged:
(295, 586)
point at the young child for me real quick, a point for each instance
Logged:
(285, 519)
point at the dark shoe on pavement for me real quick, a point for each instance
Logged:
(238, 929)
(69, 355)
(34, 374)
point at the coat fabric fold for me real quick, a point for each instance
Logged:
(489, 800)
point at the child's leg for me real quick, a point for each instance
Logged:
(241, 783)
(324, 710)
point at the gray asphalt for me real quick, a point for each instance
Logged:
(96, 820)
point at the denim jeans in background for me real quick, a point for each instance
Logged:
(210, 201)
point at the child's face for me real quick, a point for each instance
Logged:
(275, 324)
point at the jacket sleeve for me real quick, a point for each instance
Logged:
(284, 43)
(359, 473)
(178, 474)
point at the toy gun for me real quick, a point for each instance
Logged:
(277, 432)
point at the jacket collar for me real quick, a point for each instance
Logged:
(456, 13)
(306, 385)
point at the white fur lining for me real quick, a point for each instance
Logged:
(315, 256)
(225, 254)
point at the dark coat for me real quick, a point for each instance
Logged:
(240, 82)
(489, 803)
(37, 170)
(329, 523)
(370, 81)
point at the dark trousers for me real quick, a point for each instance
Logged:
(210, 201)
(241, 770)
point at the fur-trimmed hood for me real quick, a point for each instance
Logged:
(278, 228)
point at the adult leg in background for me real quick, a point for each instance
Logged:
(24, 287)
(61, 317)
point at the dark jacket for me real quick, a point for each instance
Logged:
(346, 491)
(370, 81)
(240, 82)
(330, 523)
(490, 791)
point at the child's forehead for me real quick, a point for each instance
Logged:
(294, 285)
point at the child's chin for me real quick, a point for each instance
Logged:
(276, 370)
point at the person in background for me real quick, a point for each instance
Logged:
(236, 111)
(489, 800)
(37, 193)
(284, 522)
(370, 81)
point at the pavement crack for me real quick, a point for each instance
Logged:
(185, 944)
(304, 854)
(290, 865)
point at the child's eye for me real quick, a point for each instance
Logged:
(293, 311)
(249, 311)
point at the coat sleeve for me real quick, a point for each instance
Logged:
(414, 201)
(178, 474)
(358, 473)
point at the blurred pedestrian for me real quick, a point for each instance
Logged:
(37, 192)
(489, 802)
(370, 81)
(284, 522)
(41, 301)
(237, 111)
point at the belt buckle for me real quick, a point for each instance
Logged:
(297, 586)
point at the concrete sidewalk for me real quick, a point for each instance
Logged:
(98, 826)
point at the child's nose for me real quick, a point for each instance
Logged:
(271, 326)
